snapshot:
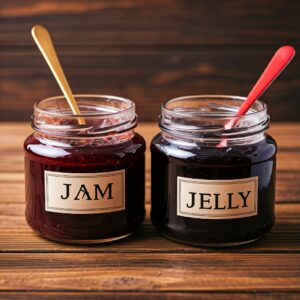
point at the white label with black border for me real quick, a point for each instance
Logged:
(217, 199)
(84, 193)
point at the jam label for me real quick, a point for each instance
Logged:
(84, 193)
(217, 199)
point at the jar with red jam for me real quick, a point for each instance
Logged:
(85, 181)
(213, 185)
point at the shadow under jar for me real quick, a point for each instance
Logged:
(205, 194)
(85, 183)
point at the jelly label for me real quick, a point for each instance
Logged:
(84, 193)
(217, 199)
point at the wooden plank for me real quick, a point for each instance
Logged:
(151, 295)
(287, 186)
(150, 272)
(155, 22)
(16, 236)
(148, 78)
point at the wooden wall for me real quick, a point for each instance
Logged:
(149, 50)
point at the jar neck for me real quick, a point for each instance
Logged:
(203, 120)
(108, 120)
(205, 142)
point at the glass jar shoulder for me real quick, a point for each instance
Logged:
(263, 150)
(40, 149)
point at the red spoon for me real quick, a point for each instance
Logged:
(279, 61)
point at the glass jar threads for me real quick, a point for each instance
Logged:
(206, 194)
(85, 183)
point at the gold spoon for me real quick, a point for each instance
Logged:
(43, 40)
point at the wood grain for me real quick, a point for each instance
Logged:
(148, 272)
(153, 295)
(155, 22)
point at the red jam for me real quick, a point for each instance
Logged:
(73, 158)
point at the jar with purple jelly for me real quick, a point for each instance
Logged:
(85, 182)
(213, 185)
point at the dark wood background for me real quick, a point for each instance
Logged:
(149, 51)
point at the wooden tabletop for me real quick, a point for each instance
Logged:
(147, 265)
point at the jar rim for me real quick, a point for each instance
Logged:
(104, 116)
(203, 118)
(86, 114)
(164, 108)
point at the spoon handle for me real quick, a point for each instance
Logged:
(277, 64)
(279, 61)
(43, 40)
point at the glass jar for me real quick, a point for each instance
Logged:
(85, 183)
(213, 186)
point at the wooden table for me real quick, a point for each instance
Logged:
(147, 265)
